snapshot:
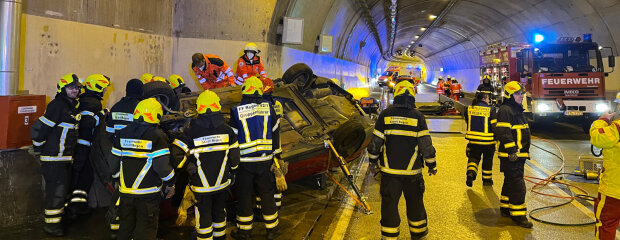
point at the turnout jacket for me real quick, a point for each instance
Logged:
(401, 143)
(90, 109)
(142, 159)
(209, 150)
(258, 128)
(55, 134)
(247, 68)
(121, 114)
(215, 74)
(512, 130)
(481, 119)
(605, 134)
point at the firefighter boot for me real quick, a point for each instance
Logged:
(522, 221)
(242, 234)
(471, 176)
(273, 233)
(54, 229)
(487, 182)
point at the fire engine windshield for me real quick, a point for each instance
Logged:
(559, 58)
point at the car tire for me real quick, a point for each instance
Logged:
(162, 92)
(349, 137)
(299, 73)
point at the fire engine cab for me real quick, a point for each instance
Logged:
(564, 79)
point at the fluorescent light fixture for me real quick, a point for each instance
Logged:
(416, 37)
(431, 17)
(423, 29)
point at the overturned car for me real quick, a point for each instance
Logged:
(315, 109)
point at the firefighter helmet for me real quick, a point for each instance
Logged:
(511, 88)
(449, 77)
(617, 98)
(440, 78)
(252, 85)
(251, 47)
(159, 79)
(176, 81)
(208, 100)
(486, 76)
(68, 80)
(97, 82)
(267, 84)
(147, 77)
(149, 110)
(404, 87)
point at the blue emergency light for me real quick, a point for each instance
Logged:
(538, 38)
(587, 37)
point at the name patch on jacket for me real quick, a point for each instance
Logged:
(212, 139)
(479, 111)
(401, 121)
(122, 116)
(136, 144)
(252, 110)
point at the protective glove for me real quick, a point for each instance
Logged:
(34, 151)
(169, 191)
(513, 157)
(432, 171)
(374, 168)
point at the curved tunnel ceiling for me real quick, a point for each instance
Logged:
(464, 27)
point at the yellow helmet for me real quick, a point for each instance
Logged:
(97, 82)
(440, 78)
(252, 85)
(448, 77)
(617, 98)
(251, 47)
(511, 88)
(149, 110)
(208, 100)
(486, 76)
(68, 80)
(175, 81)
(159, 79)
(403, 87)
(147, 77)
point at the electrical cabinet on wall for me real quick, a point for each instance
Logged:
(17, 114)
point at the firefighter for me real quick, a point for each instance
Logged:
(446, 86)
(212, 71)
(249, 65)
(513, 134)
(121, 115)
(146, 78)
(141, 161)
(258, 128)
(54, 137)
(486, 86)
(481, 119)
(209, 151)
(604, 134)
(455, 87)
(92, 113)
(400, 148)
(178, 84)
(440, 84)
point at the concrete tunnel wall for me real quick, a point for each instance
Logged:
(93, 36)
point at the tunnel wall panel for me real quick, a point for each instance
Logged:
(51, 48)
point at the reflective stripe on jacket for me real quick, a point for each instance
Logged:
(246, 69)
(55, 133)
(481, 120)
(216, 73)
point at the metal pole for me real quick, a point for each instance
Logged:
(10, 21)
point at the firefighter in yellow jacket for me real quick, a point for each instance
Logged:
(605, 134)
(400, 148)
(481, 119)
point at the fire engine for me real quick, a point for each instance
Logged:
(564, 79)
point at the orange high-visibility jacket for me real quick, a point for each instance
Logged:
(216, 73)
(440, 87)
(455, 88)
(247, 68)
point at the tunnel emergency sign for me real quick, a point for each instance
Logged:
(252, 110)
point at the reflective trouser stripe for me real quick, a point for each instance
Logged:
(518, 210)
(472, 166)
(244, 223)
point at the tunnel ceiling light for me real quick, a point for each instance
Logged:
(416, 37)
(538, 38)
(600, 47)
(423, 29)
(431, 17)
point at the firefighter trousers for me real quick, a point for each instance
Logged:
(513, 190)
(112, 216)
(607, 210)
(82, 180)
(211, 215)
(257, 177)
(476, 152)
(139, 217)
(392, 187)
(57, 177)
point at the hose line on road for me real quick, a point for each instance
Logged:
(542, 182)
